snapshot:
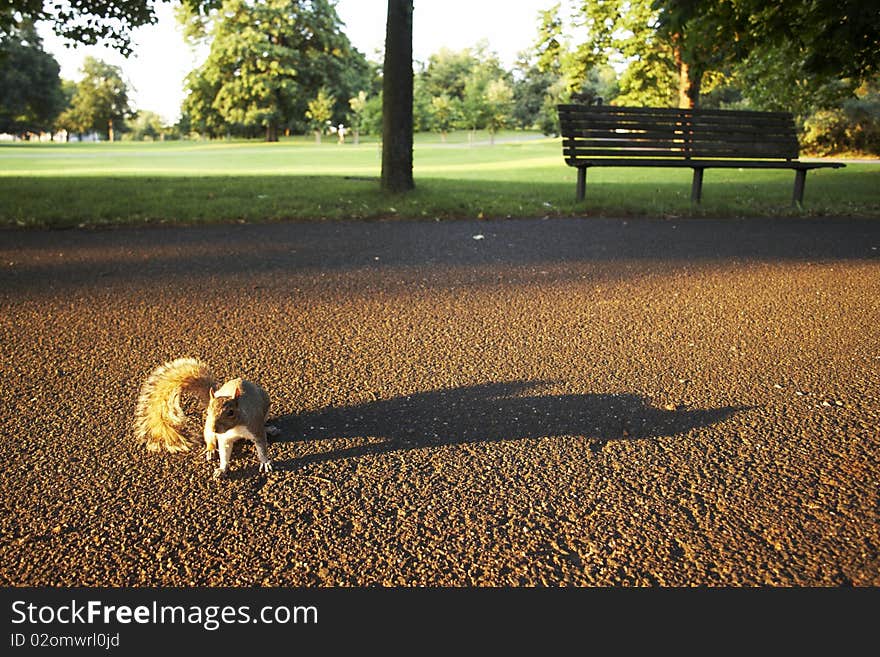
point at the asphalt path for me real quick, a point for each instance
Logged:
(584, 402)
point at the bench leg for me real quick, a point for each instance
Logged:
(582, 183)
(697, 186)
(800, 179)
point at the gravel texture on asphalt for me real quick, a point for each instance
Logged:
(584, 402)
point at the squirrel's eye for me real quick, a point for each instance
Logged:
(229, 411)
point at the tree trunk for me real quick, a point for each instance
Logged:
(110, 129)
(690, 80)
(357, 137)
(317, 136)
(271, 131)
(397, 99)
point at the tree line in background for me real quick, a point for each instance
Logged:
(286, 67)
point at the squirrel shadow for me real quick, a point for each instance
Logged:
(486, 413)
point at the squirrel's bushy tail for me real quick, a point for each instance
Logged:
(158, 416)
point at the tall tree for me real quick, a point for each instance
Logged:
(320, 112)
(266, 59)
(397, 99)
(444, 114)
(101, 99)
(499, 105)
(447, 72)
(358, 106)
(31, 95)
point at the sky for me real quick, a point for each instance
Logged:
(160, 61)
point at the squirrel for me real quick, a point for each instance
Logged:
(236, 410)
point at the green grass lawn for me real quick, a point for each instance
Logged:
(522, 175)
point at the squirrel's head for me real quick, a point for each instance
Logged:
(224, 411)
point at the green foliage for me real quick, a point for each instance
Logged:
(100, 102)
(358, 105)
(624, 32)
(31, 95)
(447, 72)
(147, 126)
(529, 90)
(822, 40)
(108, 22)
(198, 113)
(550, 47)
(371, 123)
(776, 78)
(421, 106)
(854, 127)
(474, 109)
(266, 59)
(444, 113)
(320, 112)
(553, 71)
(499, 103)
(835, 38)
(465, 89)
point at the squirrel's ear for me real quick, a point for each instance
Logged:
(211, 392)
(237, 392)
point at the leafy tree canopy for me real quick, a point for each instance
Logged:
(266, 60)
(835, 38)
(31, 96)
(100, 102)
(83, 21)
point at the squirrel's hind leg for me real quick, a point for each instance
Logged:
(270, 429)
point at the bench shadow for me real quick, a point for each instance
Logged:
(486, 413)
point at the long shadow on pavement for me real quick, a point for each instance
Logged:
(487, 413)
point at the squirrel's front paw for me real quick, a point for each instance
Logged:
(266, 467)
(219, 473)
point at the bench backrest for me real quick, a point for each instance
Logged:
(596, 131)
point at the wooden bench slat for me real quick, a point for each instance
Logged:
(670, 111)
(701, 163)
(741, 135)
(628, 143)
(611, 133)
(611, 152)
(676, 120)
(736, 140)
(672, 125)
(785, 148)
(609, 119)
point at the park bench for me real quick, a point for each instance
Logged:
(608, 136)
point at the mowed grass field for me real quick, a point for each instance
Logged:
(521, 175)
